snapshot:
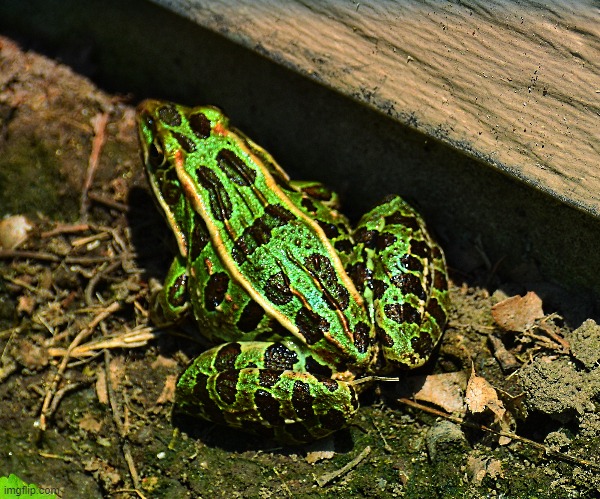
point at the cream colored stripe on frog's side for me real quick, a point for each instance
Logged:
(189, 187)
(272, 185)
(171, 221)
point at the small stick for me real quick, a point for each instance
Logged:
(65, 229)
(116, 412)
(329, 477)
(99, 123)
(33, 255)
(84, 333)
(111, 203)
(500, 433)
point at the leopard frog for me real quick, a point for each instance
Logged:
(299, 304)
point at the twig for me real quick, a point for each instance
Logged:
(65, 229)
(33, 255)
(116, 411)
(130, 339)
(111, 203)
(58, 396)
(91, 285)
(500, 433)
(99, 123)
(83, 334)
(329, 477)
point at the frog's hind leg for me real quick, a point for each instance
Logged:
(402, 274)
(265, 388)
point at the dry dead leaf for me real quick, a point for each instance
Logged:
(518, 313)
(479, 467)
(445, 391)
(481, 396)
(322, 449)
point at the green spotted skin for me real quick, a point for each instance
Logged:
(298, 303)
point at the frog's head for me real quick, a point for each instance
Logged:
(174, 140)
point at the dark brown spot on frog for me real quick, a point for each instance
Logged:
(226, 356)
(200, 237)
(330, 384)
(268, 407)
(409, 283)
(308, 205)
(321, 269)
(330, 230)
(220, 203)
(226, 385)
(420, 248)
(383, 337)
(302, 400)
(259, 233)
(437, 312)
(169, 115)
(215, 290)
(439, 280)
(314, 367)
(235, 168)
(250, 317)
(398, 218)
(267, 377)
(402, 312)
(360, 275)
(156, 157)
(344, 246)
(277, 289)
(384, 240)
(423, 345)
(411, 262)
(319, 192)
(199, 402)
(184, 142)
(178, 295)
(200, 125)
(311, 326)
(278, 215)
(169, 186)
(361, 337)
(278, 356)
(379, 287)
(366, 237)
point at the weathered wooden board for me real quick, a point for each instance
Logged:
(515, 84)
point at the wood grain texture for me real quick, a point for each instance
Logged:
(516, 85)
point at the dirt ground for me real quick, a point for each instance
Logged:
(86, 383)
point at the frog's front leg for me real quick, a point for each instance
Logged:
(170, 303)
(266, 388)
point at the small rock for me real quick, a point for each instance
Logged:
(445, 437)
(556, 388)
(585, 344)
